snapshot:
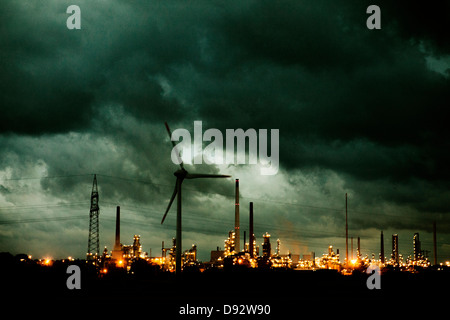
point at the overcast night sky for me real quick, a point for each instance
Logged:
(359, 111)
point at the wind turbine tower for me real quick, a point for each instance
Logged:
(182, 174)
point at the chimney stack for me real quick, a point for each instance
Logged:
(251, 236)
(351, 247)
(117, 242)
(117, 253)
(244, 240)
(358, 250)
(237, 244)
(434, 244)
(346, 232)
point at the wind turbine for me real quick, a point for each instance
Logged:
(181, 175)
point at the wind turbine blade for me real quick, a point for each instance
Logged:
(170, 202)
(202, 175)
(174, 146)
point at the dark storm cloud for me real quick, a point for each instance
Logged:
(231, 59)
(329, 79)
(326, 80)
(54, 79)
(43, 87)
(421, 22)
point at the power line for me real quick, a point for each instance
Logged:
(146, 209)
(47, 177)
(34, 220)
(156, 213)
(44, 205)
(170, 186)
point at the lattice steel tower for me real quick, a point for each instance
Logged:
(93, 243)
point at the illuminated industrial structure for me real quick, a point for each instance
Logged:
(127, 253)
(395, 254)
(134, 251)
(123, 256)
(232, 243)
(190, 257)
(229, 248)
(282, 261)
(420, 257)
(286, 261)
(266, 247)
(416, 246)
(168, 262)
(307, 262)
(329, 260)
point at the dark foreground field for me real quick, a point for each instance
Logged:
(288, 293)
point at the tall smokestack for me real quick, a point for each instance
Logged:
(358, 250)
(117, 242)
(382, 247)
(237, 244)
(434, 244)
(346, 232)
(250, 247)
(351, 246)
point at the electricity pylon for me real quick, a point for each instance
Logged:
(93, 243)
